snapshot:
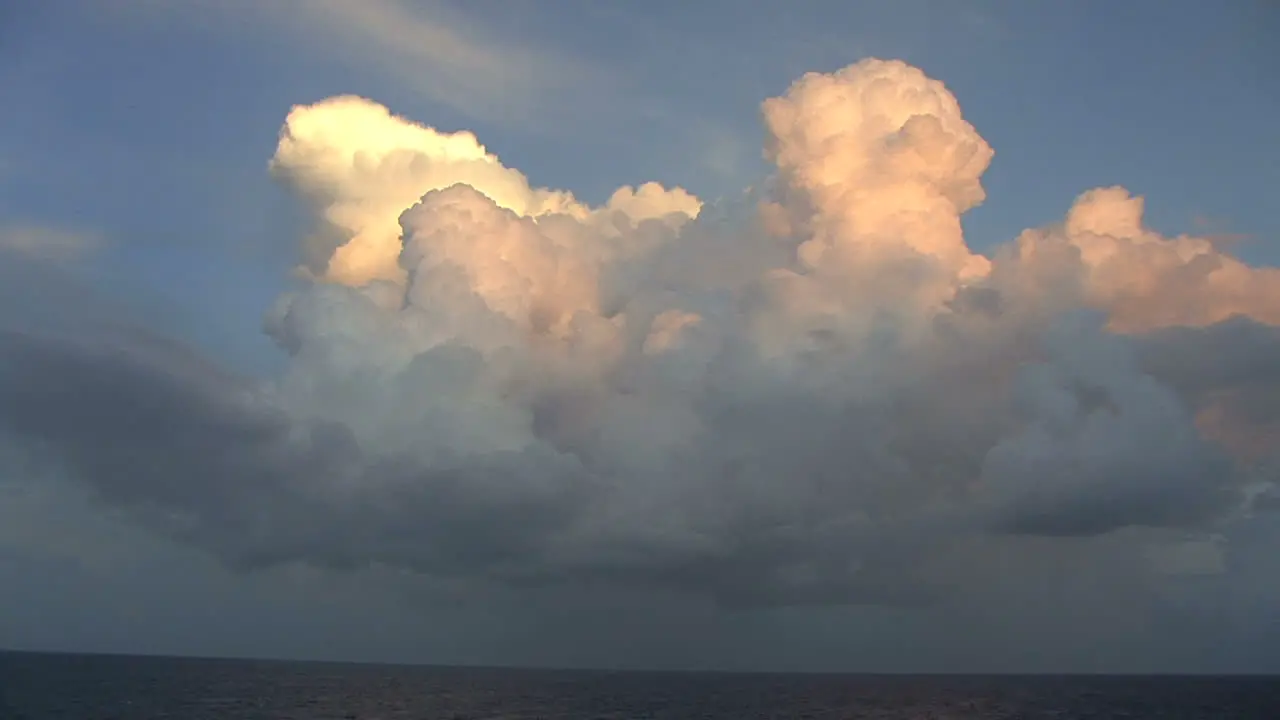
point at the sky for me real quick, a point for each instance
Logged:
(876, 336)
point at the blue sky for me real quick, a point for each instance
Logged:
(150, 123)
(147, 125)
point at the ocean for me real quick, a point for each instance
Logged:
(101, 687)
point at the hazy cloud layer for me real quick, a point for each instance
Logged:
(813, 393)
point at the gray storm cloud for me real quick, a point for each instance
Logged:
(814, 393)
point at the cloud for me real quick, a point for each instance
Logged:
(1225, 373)
(456, 59)
(436, 52)
(430, 48)
(47, 243)
(361, 166)
(433, 49)
(812, 393)
(1147, 281)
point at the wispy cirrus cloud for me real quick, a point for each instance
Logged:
(450, 60)
(435, 50)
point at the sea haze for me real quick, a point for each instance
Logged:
(90, 687)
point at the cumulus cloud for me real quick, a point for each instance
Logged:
(1146, 281)
(361, 167)
(815, 392)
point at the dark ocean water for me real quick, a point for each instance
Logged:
(79, 687)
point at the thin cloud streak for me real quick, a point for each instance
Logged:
(48, 243)
(447, 59)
